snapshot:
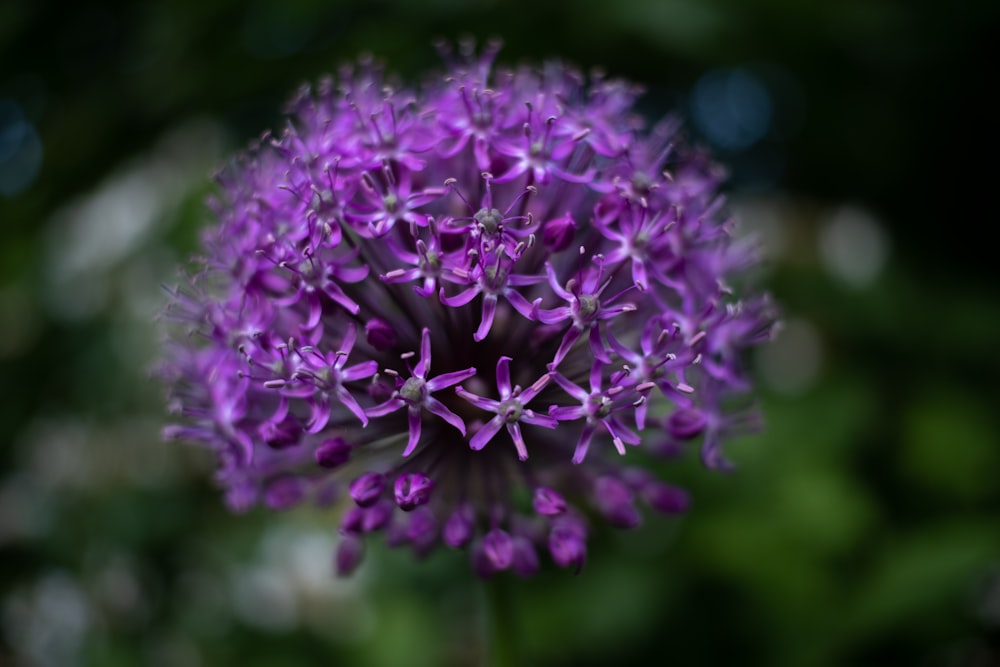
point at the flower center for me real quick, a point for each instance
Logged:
(587, 306)
(641, 182)
(430, 263)
(600, 406)
(489, 220)
(511, 410)
(494, 279)
(322, 200)
(413, 391)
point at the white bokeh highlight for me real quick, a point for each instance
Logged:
(853, 246)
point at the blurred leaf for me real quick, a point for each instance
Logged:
(920, 572)
(950, 446)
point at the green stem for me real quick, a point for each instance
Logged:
(500, 615)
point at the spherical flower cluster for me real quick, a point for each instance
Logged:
(467, 308)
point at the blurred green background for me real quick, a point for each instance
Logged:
(861, 528)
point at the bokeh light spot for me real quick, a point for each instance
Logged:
(853, 246)
(732, 108)
(20, 150)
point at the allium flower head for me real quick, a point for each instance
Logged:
(474, 310)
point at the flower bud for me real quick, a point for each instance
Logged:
(614, 500)
(350, 553)
(558, 234)
(499, 549)
(380, 334)
(284, 492)
(567, 544)
(458, 528)
(686, 423)
(332, 453)
(376, 517)
(422, 529)
(525, 558)
(367, 488)
(666, 498)
(282, 435)
(547, 502)
(412, 490)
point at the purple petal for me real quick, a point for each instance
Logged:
(597, 347)
(570, 388)
(514, 430)
(424, 197)
(352, 274)
(527, 309)
(315, 309)
(596, 377)
(449, 379)
(414, 421)
(351, 404)
(424, 365)
(347, 344)
(555, 315)
(460, 299)
(583, 444)
(438, 408)
(401, 276)
(319, 415)
(503, 377)
(486, 433)
(640, 415)
(621, 431)
(554, 283)
(488, 404)
(567, 413)
(534, 388)
(361, 371)
(531, 417)
(333, 291)
(489, 311)
(388, 407)
(480, 148)
(572, 335)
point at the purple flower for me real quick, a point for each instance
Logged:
(567, 272)
(510, 410)
(415, 394)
